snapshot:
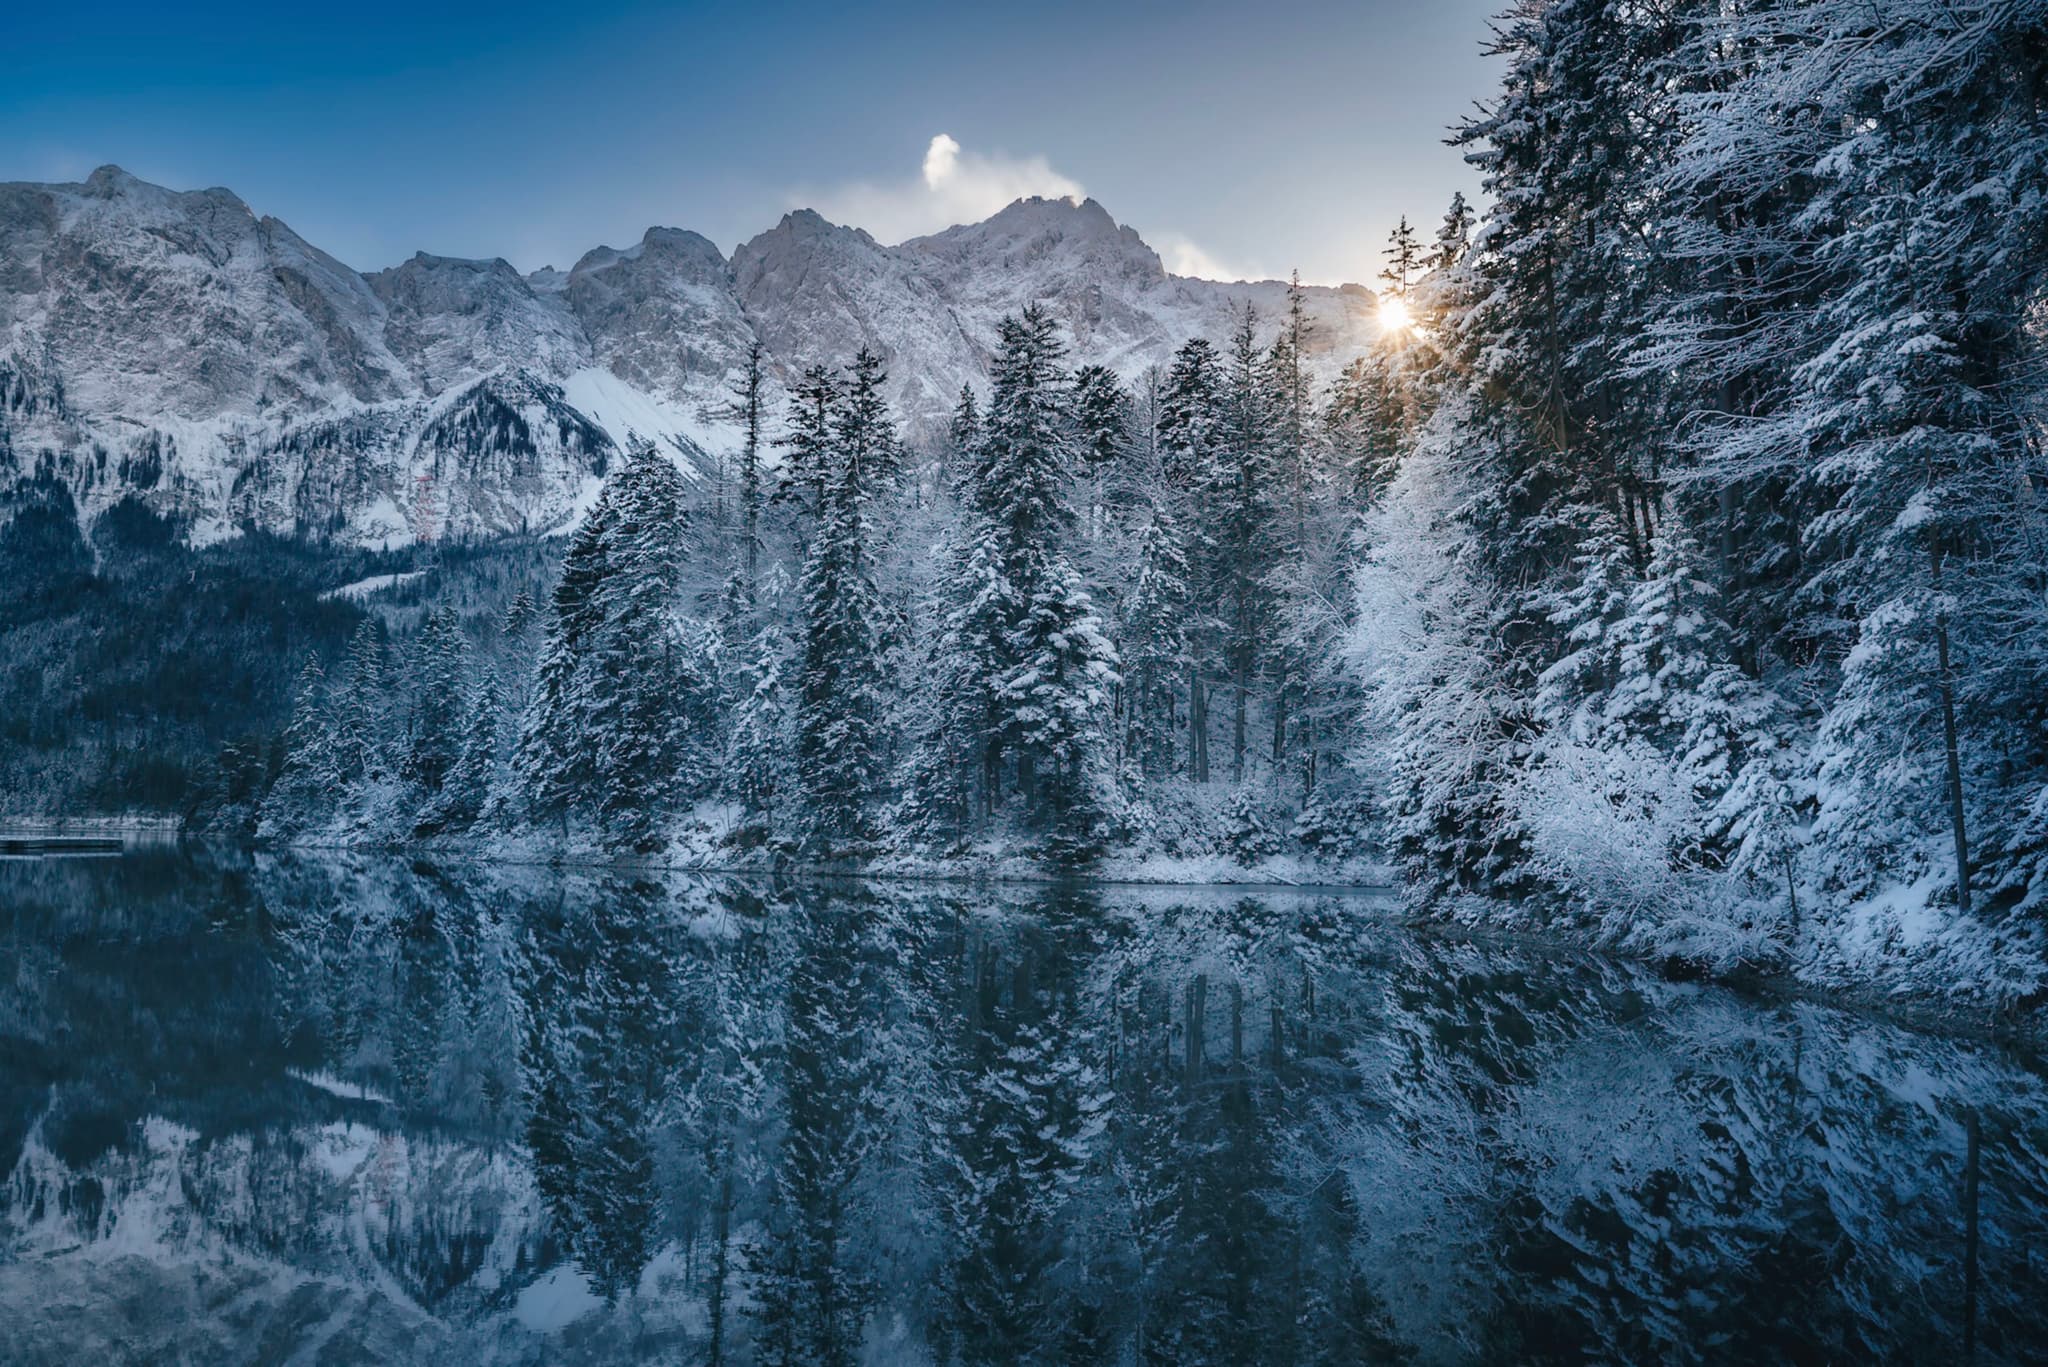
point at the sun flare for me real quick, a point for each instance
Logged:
(1393, 315)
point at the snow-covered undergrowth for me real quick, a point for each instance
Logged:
(1206, 843)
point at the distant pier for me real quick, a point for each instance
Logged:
(29, 838)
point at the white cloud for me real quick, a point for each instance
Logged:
(1184, 256)
(956, 186)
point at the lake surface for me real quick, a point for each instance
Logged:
(377, 1110)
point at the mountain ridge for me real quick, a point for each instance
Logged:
(176, 347)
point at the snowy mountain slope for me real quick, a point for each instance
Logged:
(175, 347)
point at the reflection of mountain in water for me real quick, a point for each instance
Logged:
(395, 1112)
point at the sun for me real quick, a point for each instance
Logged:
(1393, 315)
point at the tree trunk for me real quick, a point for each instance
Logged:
(1243, 689)
(1279, 725)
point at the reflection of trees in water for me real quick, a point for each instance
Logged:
(852, 1123)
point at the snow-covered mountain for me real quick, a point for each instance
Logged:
(176, 347)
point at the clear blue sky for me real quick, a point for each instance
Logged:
(1261, 136)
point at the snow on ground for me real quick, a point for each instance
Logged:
(631, 416)
(375, 584)
(556, 1301)
(341, 1087)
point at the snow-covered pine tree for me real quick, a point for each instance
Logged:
(1364, 425)
(1238, 502)
(1288, 585)
(1055, 700)
(1190, 407)
(747, 396)
(358, 708)
(1102, 417)
(759, 773)
(555, 764)
(603, 732)
(953, 776)
(640, 683)
(440, 663)
(963, 435)
(311, 770)
(1053, 660)
(807, 445)
(472, 785)
(840, 708)
(1455, 233)
(1156, 644)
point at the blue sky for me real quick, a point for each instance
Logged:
(1236, 137)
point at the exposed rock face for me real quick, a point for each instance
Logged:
(174, 346)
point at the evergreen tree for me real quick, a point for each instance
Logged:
(311, 770)
(1364, 425)
(808, 443)
(556, 765)
(1454, 237)
(439, 665)
(1405, 258)
(358, 706)
(605, 730)
(747, 398)
(1190, 405)
(1055, 700)
(954, 773)
(839, 700)
(1102, 417)
(640, 687)
(963, 435)
(1156, 643)
(471, 786)
(760, 775)
(1238, 503)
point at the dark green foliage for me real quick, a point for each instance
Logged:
(160, 680)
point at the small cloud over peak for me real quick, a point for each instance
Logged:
(955, 186)
(941, 160)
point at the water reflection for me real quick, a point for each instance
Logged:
(401, 1112)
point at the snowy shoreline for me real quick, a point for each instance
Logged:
(1891, 997)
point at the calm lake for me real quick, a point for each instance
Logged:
(376, 1110)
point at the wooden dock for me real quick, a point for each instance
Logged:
(86, 836)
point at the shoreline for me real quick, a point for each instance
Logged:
(2025, 1030)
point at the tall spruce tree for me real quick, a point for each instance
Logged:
(840, 705)
(747, 394)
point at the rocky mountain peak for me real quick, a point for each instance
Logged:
(286, 390)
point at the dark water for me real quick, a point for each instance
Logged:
(378, 1111)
